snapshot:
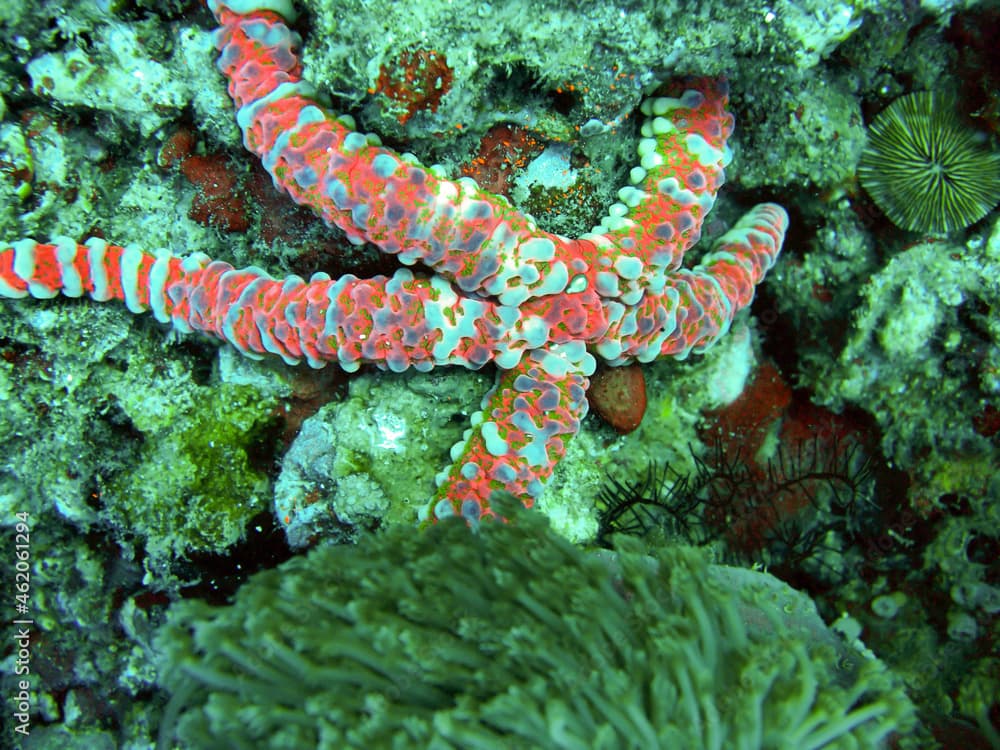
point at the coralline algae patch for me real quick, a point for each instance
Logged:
(414, 82)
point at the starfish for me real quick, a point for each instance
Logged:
(494, 287)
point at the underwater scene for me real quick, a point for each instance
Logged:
(533, 374)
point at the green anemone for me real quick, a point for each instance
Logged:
(926, 169)
(508, 636)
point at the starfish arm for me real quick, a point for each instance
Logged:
(395, 322)
(474, 238)
(520, 434)
(97, 268)
(683, 155)
(697, 306)
(743, 255)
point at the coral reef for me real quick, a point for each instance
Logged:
(859, 315)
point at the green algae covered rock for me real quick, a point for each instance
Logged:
(510, 636)
(193, 488)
